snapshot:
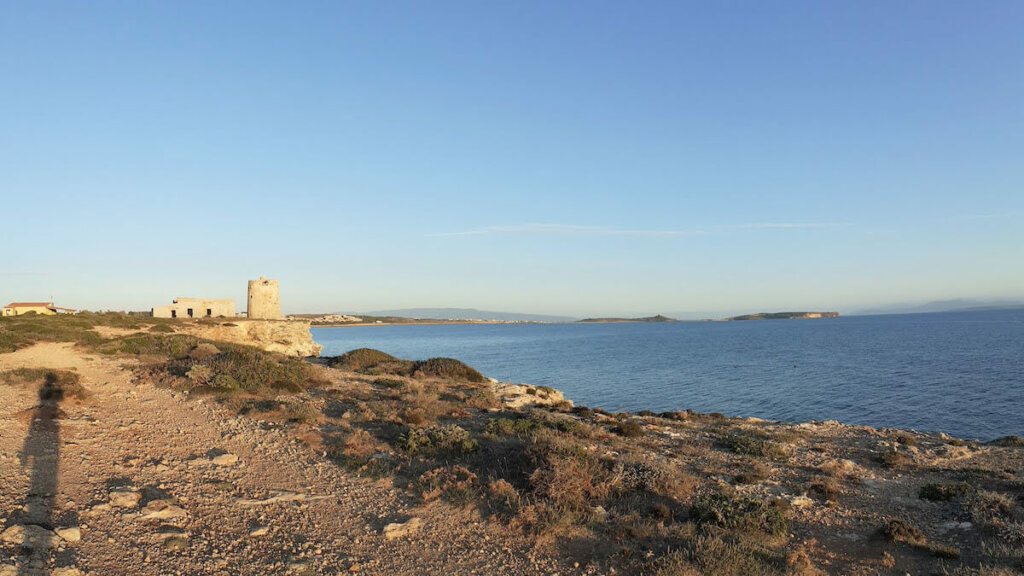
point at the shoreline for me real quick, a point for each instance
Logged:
(437, 452)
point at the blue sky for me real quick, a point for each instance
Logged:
(572, 158)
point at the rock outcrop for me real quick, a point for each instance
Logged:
(289, 337)
(515, 396)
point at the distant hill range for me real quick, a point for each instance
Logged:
(658, 318)
(785, 316)
(955, 305)
(466, 314)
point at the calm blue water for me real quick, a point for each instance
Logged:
(960, 373)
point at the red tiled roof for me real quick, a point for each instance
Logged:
(28, 304)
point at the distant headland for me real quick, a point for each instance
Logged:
(469, 316)
(658, 318)
(786, 316)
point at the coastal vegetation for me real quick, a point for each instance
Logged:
(673, 493)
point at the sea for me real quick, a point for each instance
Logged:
(961, 373)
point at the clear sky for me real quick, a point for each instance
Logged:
(576, 158)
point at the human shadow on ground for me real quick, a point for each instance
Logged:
(41, 452)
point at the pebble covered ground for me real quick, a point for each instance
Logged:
(159, 484)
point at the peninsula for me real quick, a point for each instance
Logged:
(786, 316)
(658, 318)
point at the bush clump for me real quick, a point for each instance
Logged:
(755, 473)
(753, 444)
(370, 361)
(739, 512)
(946, 492)
(449, 439)
(21, 331)
(235, 368)
(710, 554)
(361, 359)
(511, 427)
(175, 346)
(630, 429)
(456, 483)
(1008, 442)
(448, 368)
(655, 477)
(894, 459)
(902, 531)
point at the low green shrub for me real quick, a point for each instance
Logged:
(449, 439)
(754, 444)
(739, 512)
(902, 531)
(714, 555)
(946, 492)
(1008, 442)
(393, 383)
(511, 427)
(173, 346)
(893, 459)
(21, 331)
(361, 359)
(629, 429)
(906, 438)
(654, 477)
(755, 473)
(448, 368)
(226, 369)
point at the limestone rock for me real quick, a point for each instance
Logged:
(260, 531)
(225, 460)
(401, 529)
(66, 571)
(70, 534)
(203, 350)
(517, 396)
(125, 498)
(162, 510)
(30, 535)
(289, 337)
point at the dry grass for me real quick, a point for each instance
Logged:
(755, 444)
(52, 384)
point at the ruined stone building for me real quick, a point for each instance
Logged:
(196, 308)
(264, 300)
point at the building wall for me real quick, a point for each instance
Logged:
(264, 300)
(26, 309)
(201, 308)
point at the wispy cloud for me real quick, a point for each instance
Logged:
(777, 225)
(578, 230)
(992, 216)
(565, 230)
(10, 273)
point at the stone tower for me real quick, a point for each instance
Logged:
(264, 300)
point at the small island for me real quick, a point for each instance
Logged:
(786, 316)
(658, 318)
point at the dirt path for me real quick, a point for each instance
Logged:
(136, 469)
